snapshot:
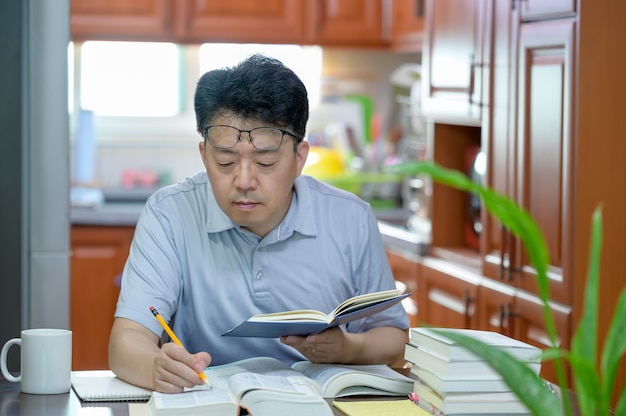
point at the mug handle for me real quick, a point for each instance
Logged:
(3, 360)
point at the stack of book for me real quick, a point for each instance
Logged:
(452, 381)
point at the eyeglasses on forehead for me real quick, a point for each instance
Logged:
(221, 136)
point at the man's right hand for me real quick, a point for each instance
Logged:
(175, 368)
(135, 357)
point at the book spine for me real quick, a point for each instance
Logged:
(424, 404)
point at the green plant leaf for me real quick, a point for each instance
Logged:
(584, 342)
(527, 386)
(614, 350)
(588, 386)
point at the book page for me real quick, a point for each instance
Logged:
(221, 373)
(343, 380)
(194, 398)
(298, 385)
(298, 315)
(361, 301)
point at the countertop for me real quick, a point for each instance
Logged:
(392, 222)
(108, 214)
(121, 207)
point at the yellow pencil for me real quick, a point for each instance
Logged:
(174, 338)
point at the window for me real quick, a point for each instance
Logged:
(142, 91)
(130, 79)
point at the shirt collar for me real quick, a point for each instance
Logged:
(300, 216)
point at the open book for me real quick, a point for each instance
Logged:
(306, 321)
(266, 386)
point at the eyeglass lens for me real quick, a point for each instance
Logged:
(262, 138)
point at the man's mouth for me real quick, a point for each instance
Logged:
(246, 205)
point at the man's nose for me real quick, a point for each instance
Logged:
(245, 178)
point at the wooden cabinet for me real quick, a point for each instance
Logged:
(269, 21)
(345, 23)
(520, 315)
(405, 272)
(530, 157)
(544, 147)
(447, 297)
(187, 21)
(407, 25)
(550, 128)
(98, 258)
(453, 60)
(120, 19)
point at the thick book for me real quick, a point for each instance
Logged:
(447, 385)
(453, 369)
(266, 386)
(306, 322)
(456, 404)
(103, 386)
(430, 340)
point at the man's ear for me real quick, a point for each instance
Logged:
(301, 156)
(202, 153)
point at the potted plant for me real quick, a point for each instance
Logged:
(593, 379)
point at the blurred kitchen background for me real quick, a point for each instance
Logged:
(133, 127)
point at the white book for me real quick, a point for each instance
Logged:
(454, 369)
(443, 385)
(429, 339)
(455, 404)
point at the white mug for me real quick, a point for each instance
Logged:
(46, 361)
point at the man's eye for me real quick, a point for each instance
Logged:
(267, 165)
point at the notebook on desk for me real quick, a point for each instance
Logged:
(103, 386)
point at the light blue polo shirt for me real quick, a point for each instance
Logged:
(192, 263)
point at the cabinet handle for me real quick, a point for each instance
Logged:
(469, 311)
(510, 313)
(472, 80)
(420, 8)
(503, 252)
(501, 318)
(514, 2)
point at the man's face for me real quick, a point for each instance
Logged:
(253, 187)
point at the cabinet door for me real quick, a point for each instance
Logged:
(444, 299)
(521, 316)
(269, 21)
(498, 136)
(98, 258)
(405, 272)
(120, 19)
(495, 307)
(407, 25)
(544, 147)
(345, 23)
(530, 326)
(452, 60)
(542, 9)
